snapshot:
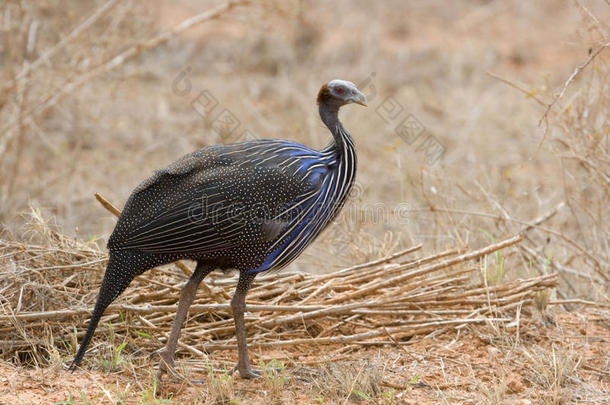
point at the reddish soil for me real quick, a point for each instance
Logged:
(473, 365)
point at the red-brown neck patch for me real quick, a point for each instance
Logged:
(324, 94)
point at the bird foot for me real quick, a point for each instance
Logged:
(246, 372)
(166, 366)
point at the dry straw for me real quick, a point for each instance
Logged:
(48, 289)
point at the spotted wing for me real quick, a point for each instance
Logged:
(205, 202)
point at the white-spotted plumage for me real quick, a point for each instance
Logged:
(252, 206)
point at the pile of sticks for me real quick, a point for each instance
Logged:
(48, 291)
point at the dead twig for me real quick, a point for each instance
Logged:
(574, 74)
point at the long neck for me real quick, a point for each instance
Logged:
(342, 140)
(343, 153)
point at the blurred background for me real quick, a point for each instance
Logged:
(453, 149)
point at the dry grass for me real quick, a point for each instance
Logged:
(386, 305)
(355, 306)
(554, 370)
(220, 389)
(356, 382)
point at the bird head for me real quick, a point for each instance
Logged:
(340, 92)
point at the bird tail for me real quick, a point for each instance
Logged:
(119, 273)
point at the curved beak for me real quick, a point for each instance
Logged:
(359, 98)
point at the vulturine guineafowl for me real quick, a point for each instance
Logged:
(252, 206)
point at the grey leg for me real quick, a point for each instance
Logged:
(238, 304)
(187, 296)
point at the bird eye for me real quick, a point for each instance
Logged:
(339, 90)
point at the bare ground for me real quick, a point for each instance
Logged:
(555, 357)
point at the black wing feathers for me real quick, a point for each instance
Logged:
(205, 202)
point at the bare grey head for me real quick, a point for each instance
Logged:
(337, 93)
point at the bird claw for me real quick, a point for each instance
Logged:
(166, 366)
(246, 372)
